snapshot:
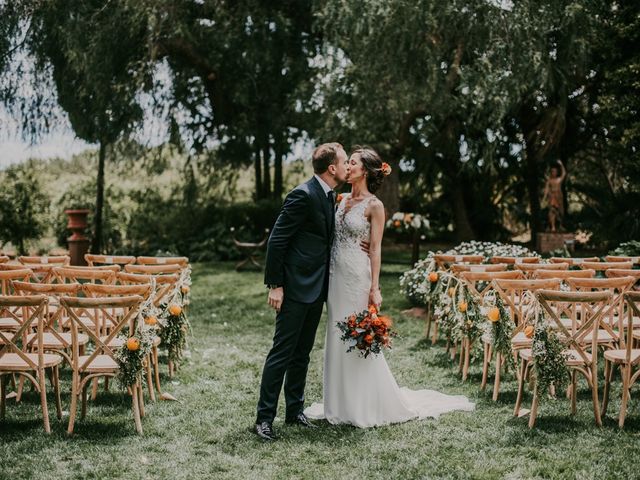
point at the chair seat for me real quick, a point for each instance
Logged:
(12, 362)
(88, 323)
(51, 342)
(566, 323)
(573, 357)
(100, 364)
(116, 342)
(619, 356)
(521, 340)
(603, 337)
(635, 320)
(9, 323)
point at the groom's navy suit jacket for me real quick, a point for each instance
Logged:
(300, 244)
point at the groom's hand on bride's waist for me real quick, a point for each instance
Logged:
(276, 294)
(365, 246)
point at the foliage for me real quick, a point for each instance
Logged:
(501, 330)
(549, 365)
(23, 207)
(631, 249)
(131, 362)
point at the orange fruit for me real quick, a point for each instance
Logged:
(133, 344)
(493, 314)
(151, 321)
(185, 289)
(433, 277)
(175, 310)
(528, 331)
(462, 306)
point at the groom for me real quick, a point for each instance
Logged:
(297, 275)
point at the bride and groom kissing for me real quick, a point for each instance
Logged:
(324, 250)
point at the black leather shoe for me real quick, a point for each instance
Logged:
(300, 419)
(265, 431)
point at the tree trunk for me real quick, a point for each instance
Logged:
(533, 191)
(257, 166)
(266, 169)
(97, 228)
(277, 174)
(21, 249)
(464, 230)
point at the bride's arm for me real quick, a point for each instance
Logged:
(376, 216)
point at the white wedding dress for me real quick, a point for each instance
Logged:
(362, 391)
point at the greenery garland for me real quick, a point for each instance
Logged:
(549, 361)
(174, 324)
(132, 354)
(502, 330)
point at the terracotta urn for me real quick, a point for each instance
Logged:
(78, 242)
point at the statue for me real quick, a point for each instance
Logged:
(554, 198)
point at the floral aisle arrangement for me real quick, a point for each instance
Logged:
(174, 324)
(131, 356)
(401, 222)
(502, 326)
(367, 332)
(491, 249)
(549, 361)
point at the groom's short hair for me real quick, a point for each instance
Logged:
(325, 155)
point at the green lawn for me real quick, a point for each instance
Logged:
(206, 434)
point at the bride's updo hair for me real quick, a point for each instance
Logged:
(373, 166)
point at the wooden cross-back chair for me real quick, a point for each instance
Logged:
(4, 259)
(611, 322)
(182, 261)
(164, 285)
(604, 266)
(443, 261)
(574, 261)
(153, 269)
(93, 259)
(9, 320)
(513, 293)
(14, 360)
(111, 317)
(514, 260)
(627, 359)
(43, 266)
(580, 356)
(530, 269)
(478, 284)
(101, 362)
(622, 259)
(563, 274)
(483, 267)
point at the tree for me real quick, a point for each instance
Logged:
(23, 207)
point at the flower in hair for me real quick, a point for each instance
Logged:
(386, 169)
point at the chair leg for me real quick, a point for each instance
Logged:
(141, 400)
(156, 368)
(574, 391)
(521, 380)
(428, 320)
(608, 374)
(467, 360)
(171, 367)
(534, 407)
(434, 338)
(74, 403)
(594, 395)
(149, 379)
(94, 388)
(496, 383)
(56, 391)
(83, 407)
(485, 365)
(136, 411)
(43, 400)
(106, 384)
(20, 389)
(626, 377)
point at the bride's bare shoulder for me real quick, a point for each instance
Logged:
(375, 206)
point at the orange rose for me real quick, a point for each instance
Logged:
(339, 198)
(185, 289)
(386, 169)
(151, 320)
(397, 223)
(529, 331)
(433, 277)
(462, 306)
(373, 309)
(376, 322)
(368, 339)
(493, 314)
(386, 321)
(133, 344)
(175, 310)
(354, 334)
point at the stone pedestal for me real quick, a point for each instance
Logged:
(548, 241)
(78, 242)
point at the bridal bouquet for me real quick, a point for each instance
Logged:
(367, 332)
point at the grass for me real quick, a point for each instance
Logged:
(206, 434)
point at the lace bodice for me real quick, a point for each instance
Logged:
(351, 227)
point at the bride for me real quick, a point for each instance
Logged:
(362, 391)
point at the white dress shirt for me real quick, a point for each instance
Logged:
(324, 185)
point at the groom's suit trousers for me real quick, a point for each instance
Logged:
(288, 359)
